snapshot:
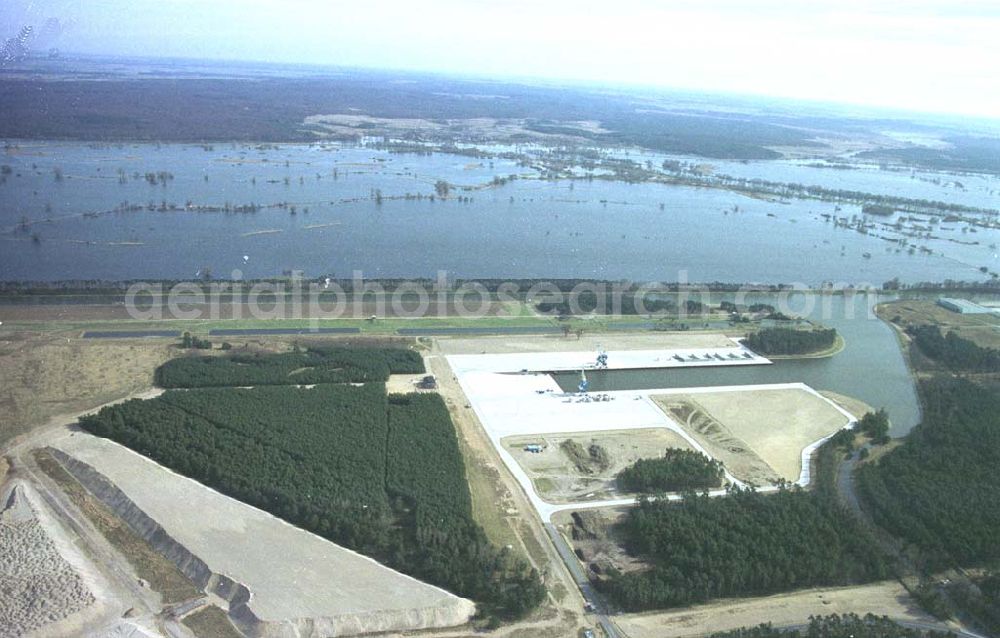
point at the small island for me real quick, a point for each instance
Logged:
(792, 341)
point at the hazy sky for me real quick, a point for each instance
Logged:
(925, 55)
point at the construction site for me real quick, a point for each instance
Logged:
(163, 555)
(763, 434)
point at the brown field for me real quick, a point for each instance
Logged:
(42, 376)
(402, 383)
(211, 622)
(560, 478)
(492, 501)
(983, 329)
(758, 434)
(348, 124)
(593, 536)
(882, 599)
(500, 506)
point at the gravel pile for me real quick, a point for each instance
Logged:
(37, 585)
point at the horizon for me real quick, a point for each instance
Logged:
(818, 107)
(929, 58)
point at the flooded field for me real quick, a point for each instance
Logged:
(82, 211)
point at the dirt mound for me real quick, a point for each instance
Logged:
(719, 440)
(37, 586)
(583, 466)
(594, 542)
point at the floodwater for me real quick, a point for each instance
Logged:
(321, 213)
(870, 367)
(67, 211)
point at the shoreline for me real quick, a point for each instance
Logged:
(838, 346)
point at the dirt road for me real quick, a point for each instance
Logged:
(520, 520)
(792, 609)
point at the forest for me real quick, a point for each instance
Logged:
(744, 544)
(134, 104)
(948, 465)
(836, 626)
(676, 471)
(425, 479)
(963, 153)
(954, 352)
(382, 475)
(316, 364)
(789, 341)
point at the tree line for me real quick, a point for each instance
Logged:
(729, 306)
(587, 302)
(955, 352)
(316, 364)
(837, 626)
(789, 341)
(804, 191)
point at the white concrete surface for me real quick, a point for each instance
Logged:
(292, 575)
(510, 403)
(737, 354)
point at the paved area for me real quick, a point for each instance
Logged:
(510, 400)
(732, 353)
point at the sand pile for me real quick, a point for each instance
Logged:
(37, 585)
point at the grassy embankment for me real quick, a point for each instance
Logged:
(161, 574)
(211, 622)
(377, 326)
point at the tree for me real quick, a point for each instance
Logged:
(677, 470)
(875, 425)
(189, 341)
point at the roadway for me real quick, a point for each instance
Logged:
(590, 595)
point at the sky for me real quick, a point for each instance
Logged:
(919, 55)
